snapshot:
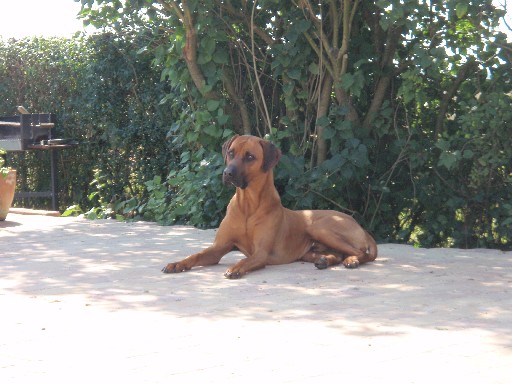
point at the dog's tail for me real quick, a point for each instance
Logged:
(372, 251)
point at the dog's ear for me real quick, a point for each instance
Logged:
(226, 145)
(271, 155)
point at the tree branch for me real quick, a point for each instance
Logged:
(341, 64)
(174, 8)
(393, 37)
(257, 77)
(333, 11)
(239, 102)
(320, 53)
(231, 10)
(320, 35)
(190, 48)
(450, 93)
(324, 101)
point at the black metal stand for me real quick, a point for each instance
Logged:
(53, 193)
(33, 131)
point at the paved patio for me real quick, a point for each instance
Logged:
(85, 302)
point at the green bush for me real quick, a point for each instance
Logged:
(398, 115)
(107, 96)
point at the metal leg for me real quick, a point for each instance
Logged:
(54, 176)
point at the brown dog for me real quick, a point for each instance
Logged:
(267, 233)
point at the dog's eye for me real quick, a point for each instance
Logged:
(249, 157)
(231, 154)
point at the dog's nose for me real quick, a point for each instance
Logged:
(229, 172)
(231, 176)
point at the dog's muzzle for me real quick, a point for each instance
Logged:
(232, 176)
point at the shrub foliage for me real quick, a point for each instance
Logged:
(397, 112)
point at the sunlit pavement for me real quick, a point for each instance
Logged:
(85, 302)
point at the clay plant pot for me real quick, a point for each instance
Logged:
(7, 187)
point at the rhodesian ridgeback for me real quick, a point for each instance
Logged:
(267, 233)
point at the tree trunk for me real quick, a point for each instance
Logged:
(324, 102)
(190, 49)
(243, 125)
(392, 40)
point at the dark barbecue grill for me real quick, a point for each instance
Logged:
(34, 131)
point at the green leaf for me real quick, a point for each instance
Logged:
(292, 35)
(347, 80)
(314, 68)
(212, 105)
(208, 44)
(302, 26)
(213, 130)
(203, 58)
(92, 195)
(288, 88)
(461, 9)
(180, 210)
(222, 119)
(448, 159)
(328, 133)
(468, 154)
(323, 121)
(443, 145)
(130, 205)
(185, 157)
(294, 74)
(220, 56)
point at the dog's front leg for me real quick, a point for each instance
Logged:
(251, 263)
(208, 256)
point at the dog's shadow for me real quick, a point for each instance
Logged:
(9, 224)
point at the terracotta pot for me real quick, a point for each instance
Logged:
(7, 187)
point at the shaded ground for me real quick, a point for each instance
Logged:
(83, 301)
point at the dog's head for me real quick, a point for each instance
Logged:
(247, 157)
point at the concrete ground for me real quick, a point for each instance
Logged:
(85, 302)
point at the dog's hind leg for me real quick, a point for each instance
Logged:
(321, 256)
(321, 260)
(339, 244)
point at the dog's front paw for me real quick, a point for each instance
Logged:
(351, 262)
(174, 268)
(230, 274)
